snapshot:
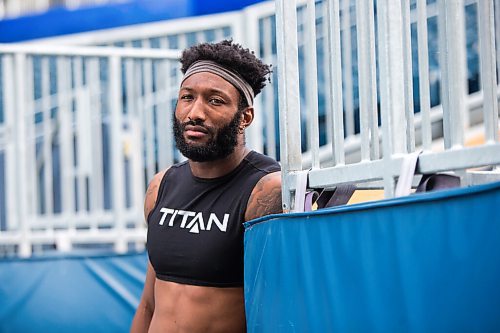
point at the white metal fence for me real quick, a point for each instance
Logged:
(384, 44)
(83, 129)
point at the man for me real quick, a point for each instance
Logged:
(195, 209)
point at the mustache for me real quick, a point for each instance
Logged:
(197, 122)
(192, 122)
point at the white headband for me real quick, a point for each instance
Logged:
(234, 78)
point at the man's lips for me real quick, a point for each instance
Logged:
(195, 131)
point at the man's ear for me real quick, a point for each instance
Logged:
(247, 117)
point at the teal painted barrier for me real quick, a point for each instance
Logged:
(424, 263)
(78, 294)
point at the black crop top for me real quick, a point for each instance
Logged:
(195, 230)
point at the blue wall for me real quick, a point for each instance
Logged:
(81, 293)
(61, 21)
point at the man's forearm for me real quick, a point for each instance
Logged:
(142, 319)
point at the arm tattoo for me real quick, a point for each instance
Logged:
(151, 193)
(269, 203)
(265, 199)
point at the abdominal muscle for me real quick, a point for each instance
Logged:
(182, 308)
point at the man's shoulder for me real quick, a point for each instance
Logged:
(266, 197)
(262, 162)
(157, 184)
(152, 192)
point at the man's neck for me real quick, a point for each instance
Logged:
(221, 167)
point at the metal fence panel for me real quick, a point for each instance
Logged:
(394, 67)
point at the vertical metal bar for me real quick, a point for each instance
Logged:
(269, 91)
(408, 76)
(200, 37)
(82, 134)
(46, 137)
(137, 171)
(21, 144)
(117, 156)
(248, 28)
(335, 70)
(391, 83)
(66, 138)
(328, 80)
(488, 72)
(443, 71)
(31, 145)
(423, 74)
(136, 114)
(288, 87)
(367, 80)
(10, 110)
(219, 34)
(97, 177)
(311, 81)
(130, 83)
(147, 105)
(453, 66)
(164, 91)
(347, 69)
(137, 161)
(497, 34)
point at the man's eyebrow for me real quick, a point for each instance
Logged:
(210, 90)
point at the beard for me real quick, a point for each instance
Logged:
(221, 143)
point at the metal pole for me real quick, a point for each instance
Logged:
(21, 117)
(117, 157)
(347, 67)
(391, 84)
(288, 88)
(488, 70)
(453, 71)
(367, 80)
(269, 92)
(249, 27)
(408, 76)
(66, 138)
(10, 110)
(335, 70)
(497, 34)
(423, 74)
(311, 81)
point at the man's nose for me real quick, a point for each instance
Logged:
(197, 110)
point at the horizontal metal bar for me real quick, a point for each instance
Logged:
(477, 177)
(86, 237)
(90, 51)
(459, 159)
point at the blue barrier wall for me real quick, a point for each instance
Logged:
(79, 294)
(61, 21)
(425, 263)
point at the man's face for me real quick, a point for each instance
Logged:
(206, 119)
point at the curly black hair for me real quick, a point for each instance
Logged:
(232, 56)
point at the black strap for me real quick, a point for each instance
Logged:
(435, 182)
(337, 196)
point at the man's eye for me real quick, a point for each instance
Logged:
(216, 101)
(186, 97)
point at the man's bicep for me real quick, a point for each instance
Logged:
(152, 193)
(265, 198)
